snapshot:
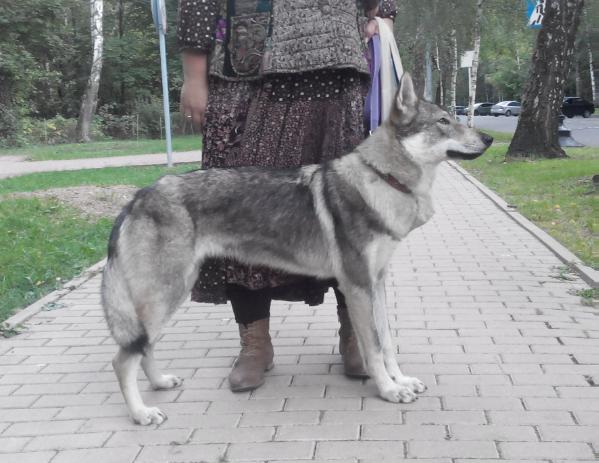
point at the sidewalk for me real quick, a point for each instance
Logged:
(11, 167)
(478, 308)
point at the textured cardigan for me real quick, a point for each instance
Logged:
(247, 39)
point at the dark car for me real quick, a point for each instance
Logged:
(460, 110)
(482, 109)
(576, 106)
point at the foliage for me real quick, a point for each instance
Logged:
(558, 194)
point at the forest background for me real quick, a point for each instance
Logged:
(46, 53)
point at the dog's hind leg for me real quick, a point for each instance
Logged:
(126, 364)
(157, 379)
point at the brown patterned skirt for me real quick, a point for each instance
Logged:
(280, 121)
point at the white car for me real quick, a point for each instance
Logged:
(506, 108)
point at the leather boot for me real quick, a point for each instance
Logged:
(348, 347)
(255, 357)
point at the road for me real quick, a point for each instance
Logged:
(585, 131)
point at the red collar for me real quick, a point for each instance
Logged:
(391, 180)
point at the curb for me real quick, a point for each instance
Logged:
(589, 275)
(23, 315)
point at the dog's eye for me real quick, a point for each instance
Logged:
(443, 121)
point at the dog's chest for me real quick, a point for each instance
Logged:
(424, 210)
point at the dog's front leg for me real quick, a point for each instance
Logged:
(361, 305)
(414, 384)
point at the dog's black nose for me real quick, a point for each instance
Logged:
(487, 139)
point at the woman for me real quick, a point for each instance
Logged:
(274, 83)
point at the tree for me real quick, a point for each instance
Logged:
(90, 97)
(475, 58)
(536, 133)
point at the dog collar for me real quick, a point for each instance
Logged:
(391, 180)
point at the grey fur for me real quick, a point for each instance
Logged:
(337, 220)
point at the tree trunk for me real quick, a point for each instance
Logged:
(590, 54)
(536, 133)
(440, 74)
(90, 97)
(453, 78)
(474, 69)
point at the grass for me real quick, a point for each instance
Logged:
(103, 148)
(556, 194)
(137, 176)
(45, 243)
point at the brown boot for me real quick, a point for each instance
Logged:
(254, 358)
(348, 347)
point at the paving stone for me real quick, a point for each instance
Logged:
(98, 455)
(360, 449)
(269, 451)
(432, 449)
(569, 450)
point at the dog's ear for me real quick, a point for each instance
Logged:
(406, 98)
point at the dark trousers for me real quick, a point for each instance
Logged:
(250, 305)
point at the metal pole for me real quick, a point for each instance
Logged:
(165, 101)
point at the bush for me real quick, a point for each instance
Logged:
(115, 126)
(151, 118)
(55, 131)
(9, 127)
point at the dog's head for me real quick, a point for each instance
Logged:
(428, 133)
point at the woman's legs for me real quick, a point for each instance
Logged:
(353, 365)
(252, 314)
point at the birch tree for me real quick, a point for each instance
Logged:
(589, 53)
(475, 59)
(536, 134)
(90, 96)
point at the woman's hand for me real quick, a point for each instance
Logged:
(194, 98)
(194, 92)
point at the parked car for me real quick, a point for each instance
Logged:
(576, 106)
(506, 108)
(482, 109)
(460, 110)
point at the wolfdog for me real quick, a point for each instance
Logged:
(338, 220)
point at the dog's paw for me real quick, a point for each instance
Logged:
(167, 382)
(398, 394)
(148, 415)
(414, 384)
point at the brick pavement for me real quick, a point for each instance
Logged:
(510, 356)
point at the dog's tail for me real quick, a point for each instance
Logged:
(119, 311)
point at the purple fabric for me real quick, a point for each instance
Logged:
(373, 100)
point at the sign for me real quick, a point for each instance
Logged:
(159, 15)
(535, 13)
(467, 58)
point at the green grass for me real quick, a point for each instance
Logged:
(44, 243)
(556, 194)
(103, 148)
(137, 176)
(499, 137)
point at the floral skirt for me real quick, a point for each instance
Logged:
(280, 121)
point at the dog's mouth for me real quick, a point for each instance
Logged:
(461, 155)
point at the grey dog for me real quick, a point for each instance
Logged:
(338, 220)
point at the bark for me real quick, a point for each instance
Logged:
(537, 131)
(419, 53)
(90, 97)
(474, 69)
(589, 54)
(453, 79)
(440, 74)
